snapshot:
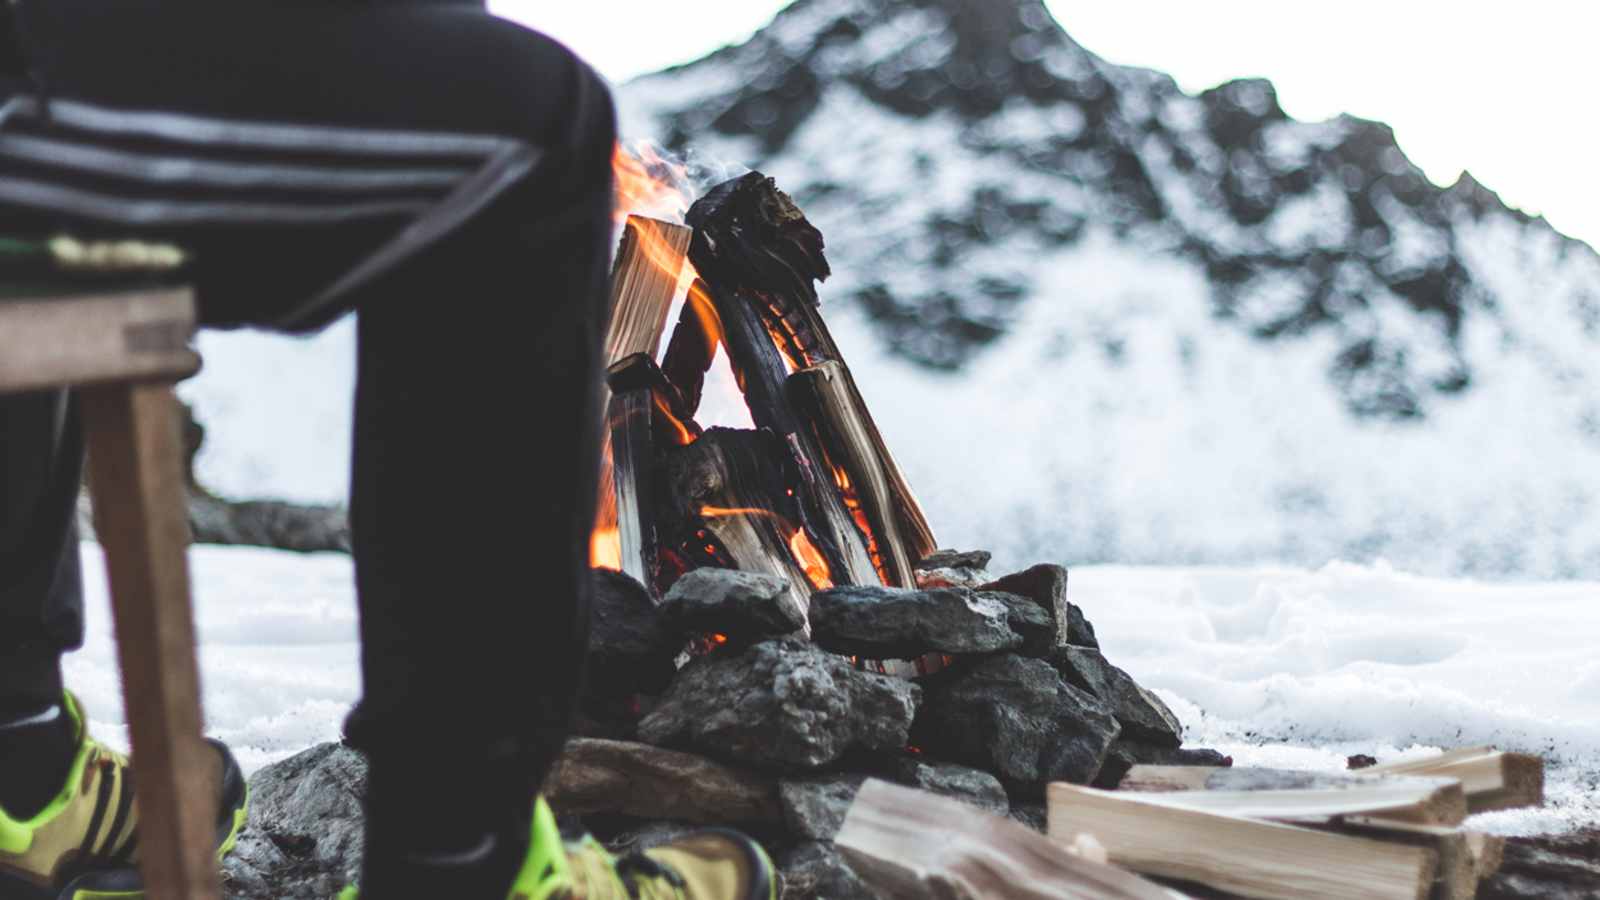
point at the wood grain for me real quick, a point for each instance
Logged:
(136, 473)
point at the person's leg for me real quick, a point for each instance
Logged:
(477, 414)
(41, 592)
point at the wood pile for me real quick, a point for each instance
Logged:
(1390, 831)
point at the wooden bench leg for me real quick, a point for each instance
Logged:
(136, 477)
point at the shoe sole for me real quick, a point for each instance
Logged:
(125, 883)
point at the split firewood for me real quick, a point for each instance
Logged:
(826, 395)
(630, 424)
(727, 503)
(913, 844)
(644, 279)
(1243, 856)
(1457, 878)
(1488, 852)
(1492, 779)
(1286, 795)
(756, 251)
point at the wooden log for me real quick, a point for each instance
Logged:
(825, 396)
(1239, 855)
(1492, 779)
(1488, 852)
(137, 482)
(1457, 877)
(757, 250)
(693, 347)
(96, 338)
(761, 374)
(729, 485)
(629, 421)
(644, 279)
(912, 844)
(1293, 796)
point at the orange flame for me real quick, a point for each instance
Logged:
(852, 504)
(811, 560)
(682, 432)
(648, 183)
(605, 548)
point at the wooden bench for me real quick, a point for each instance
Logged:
(122, 350)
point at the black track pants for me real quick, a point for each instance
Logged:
(476, 420)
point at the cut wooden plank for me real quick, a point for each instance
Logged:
(912, 844)
(1239, 855)
(1492, 779)
(1286, 795)
(137, 482)
(96, 338)
(1457, 878)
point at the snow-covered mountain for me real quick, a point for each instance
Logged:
(1105, 320)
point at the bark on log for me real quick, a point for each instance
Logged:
(825, 395)
(759, 254)
(729, 485)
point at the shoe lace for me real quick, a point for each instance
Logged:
(597, 875)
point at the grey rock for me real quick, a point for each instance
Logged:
(956, 559)
(1046, 585)
(745, 606)
(885, 622)
(268, 523)
(972, 785)
(630, 648)
(784, 705)
(955, 576)
(814, 870)
(1016, 717)
(1033, 815)
(1142, 715)
(1027, 618)
(1126, 753)
(814, 808)
(638, 780)
(305, 834)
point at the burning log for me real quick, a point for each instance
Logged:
(827, 397)
(693, 347)
(644, 280)
(761, 259)
(729, 504)
(636, 386)
(761, 372)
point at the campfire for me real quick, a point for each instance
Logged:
(811, 494)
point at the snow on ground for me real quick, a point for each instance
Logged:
(1276, 666)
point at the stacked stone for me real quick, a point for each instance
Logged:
(759, 728)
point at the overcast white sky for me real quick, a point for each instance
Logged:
(1505, 90)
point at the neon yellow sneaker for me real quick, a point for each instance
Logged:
(714, 864)
(84, 844)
